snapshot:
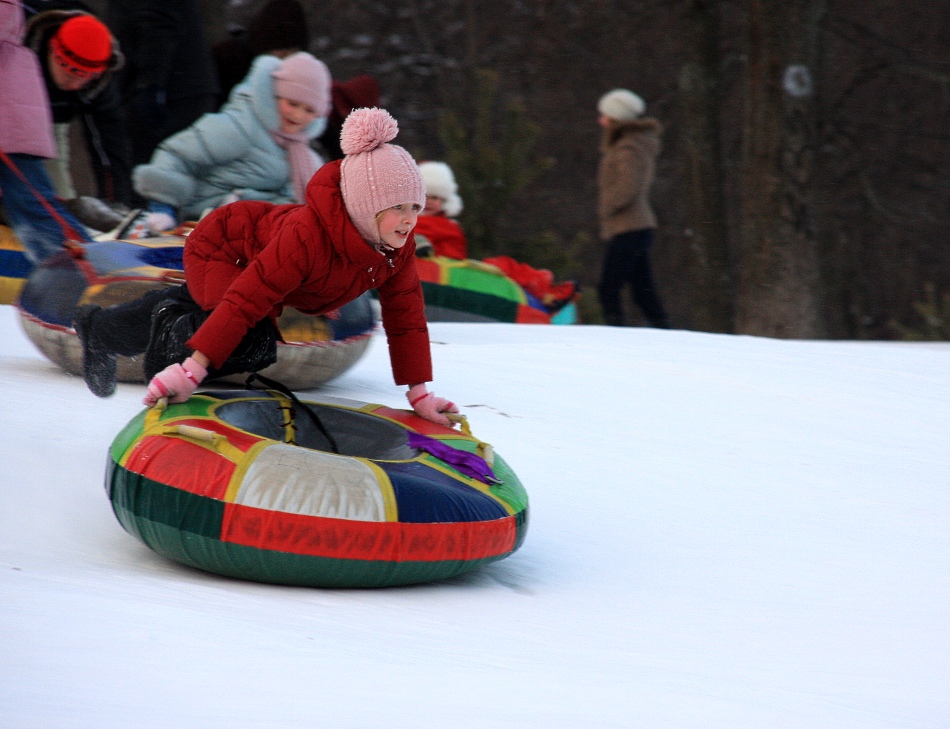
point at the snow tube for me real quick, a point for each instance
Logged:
(473, 291)
(14, 266)
(245, 484)
(315, 348)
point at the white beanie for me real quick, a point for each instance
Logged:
(621, 105)
(440, 182)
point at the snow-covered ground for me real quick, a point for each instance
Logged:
(725, 532)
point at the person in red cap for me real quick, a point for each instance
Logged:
(79, 56)
(81, 50)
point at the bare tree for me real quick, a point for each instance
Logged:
(704, 179)
(779, 290)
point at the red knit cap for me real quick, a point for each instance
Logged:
(82, 45)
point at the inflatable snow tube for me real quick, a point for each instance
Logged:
(473, 291)
(14, 266)
(244, 484)
(315, 348)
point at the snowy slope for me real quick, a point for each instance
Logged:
(725, 532)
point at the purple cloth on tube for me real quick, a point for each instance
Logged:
(471, 464)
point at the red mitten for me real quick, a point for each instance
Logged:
(430, 407)
(176, 382)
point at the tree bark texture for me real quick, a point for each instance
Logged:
(778, 291)
(703, 176)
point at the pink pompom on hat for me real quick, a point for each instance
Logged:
(375, 175)
(303, 78)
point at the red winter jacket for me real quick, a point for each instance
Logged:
(247, 260)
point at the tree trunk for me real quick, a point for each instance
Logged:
(779, 284)
(711, 286)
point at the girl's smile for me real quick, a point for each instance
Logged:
(396, 223)
(295, 116)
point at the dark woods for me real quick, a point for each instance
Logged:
(804, 186)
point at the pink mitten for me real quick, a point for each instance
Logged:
(176, 382)
(428, 406)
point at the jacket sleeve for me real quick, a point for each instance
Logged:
(181, 160)
(404, 322)
(261, 288)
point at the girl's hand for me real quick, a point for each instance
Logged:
(176, 382)
(428, 406)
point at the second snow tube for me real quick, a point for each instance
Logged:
(315, 348)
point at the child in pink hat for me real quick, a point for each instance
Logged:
(257, 147)
(244, 262)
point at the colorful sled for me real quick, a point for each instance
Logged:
(246, 484)
(14, 266)
(315, 348)
(473, 291)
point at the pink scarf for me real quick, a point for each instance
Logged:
(303, 160)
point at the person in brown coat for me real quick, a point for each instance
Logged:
(629, 148)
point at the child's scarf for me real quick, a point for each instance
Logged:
(303, 160)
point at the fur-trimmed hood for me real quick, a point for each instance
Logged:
(43, 26)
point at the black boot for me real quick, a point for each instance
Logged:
(99, 368)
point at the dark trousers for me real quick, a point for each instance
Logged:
(628, 262)
(124, 328)
(39, 231)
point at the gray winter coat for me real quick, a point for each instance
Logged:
(227, 152)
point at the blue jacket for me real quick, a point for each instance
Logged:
(227, 152)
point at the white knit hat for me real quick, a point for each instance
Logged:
(303, 78)
(621, 105)
(375, 175)
(440, 182)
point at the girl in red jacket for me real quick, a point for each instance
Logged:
(244, 262)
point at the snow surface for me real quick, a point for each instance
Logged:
(725, 532)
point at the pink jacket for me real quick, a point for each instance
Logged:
(27, 126)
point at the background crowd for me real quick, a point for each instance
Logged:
(175, 127)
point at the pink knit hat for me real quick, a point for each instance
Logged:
(303, 78)
(375, 175)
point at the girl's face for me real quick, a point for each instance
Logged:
(396, 223)
(295, 116)
(433, 205)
